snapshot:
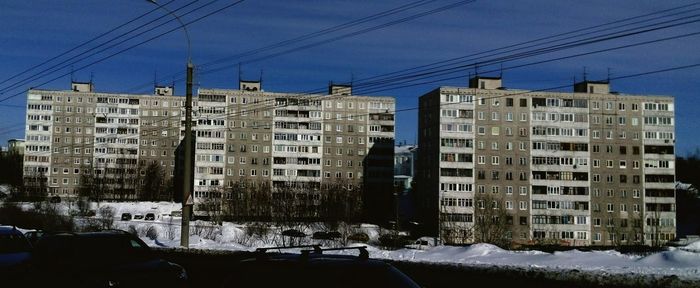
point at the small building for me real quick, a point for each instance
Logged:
(15, 146)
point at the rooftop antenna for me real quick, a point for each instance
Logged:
(501, 72)
(240, 73)
(352, 78)
(476, 69)
(261, 77)
(609, 73)
(585, 74)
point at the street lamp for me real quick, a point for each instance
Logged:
(187, 202)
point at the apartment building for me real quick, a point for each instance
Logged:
(111, 137)
(15, 146)
(590, 167)
(282, 139)
(290, 140)
(404, 165)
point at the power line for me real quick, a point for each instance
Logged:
(262, 108)
(550, 38)
(130, 47)
(58, 66)
(319, 33)
(84, 43)
(326, 98)
(403, 85)
(596, 26)
(683, 67)
(352, 34)
(322, 32)
(558, 47)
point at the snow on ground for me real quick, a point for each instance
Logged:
(683, 262)
(673, 262)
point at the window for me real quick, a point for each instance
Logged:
(523, 205)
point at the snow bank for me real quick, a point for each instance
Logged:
(683, 262)
(695, 246)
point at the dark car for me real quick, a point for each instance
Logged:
(34, 236)
(312, 269)
(126, 216)
(15, 255)
(150, 217)
(327, 235)
(55, 199)
(111, 258)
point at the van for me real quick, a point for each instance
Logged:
(423, 243)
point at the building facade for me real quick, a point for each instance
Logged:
(592, 167)
(404, 165)
(280, 139)
(15, 146)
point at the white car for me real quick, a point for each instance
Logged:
(424, 243)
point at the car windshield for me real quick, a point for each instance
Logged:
(13, 243)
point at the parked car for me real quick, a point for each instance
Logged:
(111, 258)
(313, 269)
(34, 236)
(423, 243)
(322, 235)
(126, 216)
(138, 217)
(15, 256)
(150, 217)
(293, 233)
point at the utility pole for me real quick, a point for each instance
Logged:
(188, 180)
(187, 202)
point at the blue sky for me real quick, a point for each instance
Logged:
(35, 30)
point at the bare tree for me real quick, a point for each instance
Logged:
(93, 184)
(339, 202)
(248, 201)
(36, 185)
(653, 219)
(636, 228)
(211, 206)
(490, 225)
(456, 228)
(154, 183)
(11, 168)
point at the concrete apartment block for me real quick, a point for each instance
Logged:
(592, 167)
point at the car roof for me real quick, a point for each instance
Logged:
(317, 270)
(9, 230)
(313, 258)
(89, 235)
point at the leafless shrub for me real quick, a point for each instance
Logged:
(106, 216)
